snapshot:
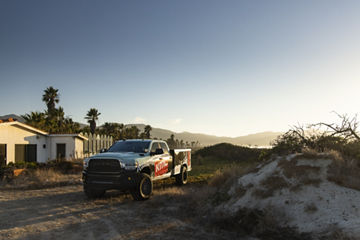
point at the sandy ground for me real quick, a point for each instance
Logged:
(65, 213)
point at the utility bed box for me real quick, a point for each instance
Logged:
(181, 157)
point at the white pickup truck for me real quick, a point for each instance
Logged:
(133, 165)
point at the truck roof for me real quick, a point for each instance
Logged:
(141, 140)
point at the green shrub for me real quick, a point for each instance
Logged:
(229, 152)
(18, 165)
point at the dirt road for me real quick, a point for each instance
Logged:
(65, 213)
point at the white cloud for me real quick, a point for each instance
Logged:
(176, 121)
(139, 120)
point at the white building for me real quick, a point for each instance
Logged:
(21, 142)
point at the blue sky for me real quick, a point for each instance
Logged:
(227, 68)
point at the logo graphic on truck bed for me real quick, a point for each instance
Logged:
(161, 167)
(189, 158)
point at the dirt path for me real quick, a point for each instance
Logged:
(65, 213)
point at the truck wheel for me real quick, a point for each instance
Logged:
(144, 187)
(182, 177)
(93, 193)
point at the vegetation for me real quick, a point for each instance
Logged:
(146, 133)
(53, 120)
(176, 143)
(40, 175)
(223, 158)
(338, 142)
(51, 97)
(322, 137)
(92, 116)
(119, 131)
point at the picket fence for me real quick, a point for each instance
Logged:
(95, 143)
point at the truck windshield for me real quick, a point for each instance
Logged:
(136, 147)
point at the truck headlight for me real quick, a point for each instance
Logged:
(131, 166)
(86, 163)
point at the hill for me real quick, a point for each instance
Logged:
(13, 116)
(257, 139)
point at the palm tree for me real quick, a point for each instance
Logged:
(50, 97)
(147, 131)
(92, 115)
(35, 119)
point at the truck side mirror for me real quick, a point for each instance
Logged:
(103, 150)
(159, 151)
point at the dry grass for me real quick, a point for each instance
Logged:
(223, 180)
(305, 182)
(259, 224)
(308, 153)
(303, 174)
(228, 176)
(334, 233)
(310, 208)
(292, 170)
(40, 178)
(270, 185)
(345, 172)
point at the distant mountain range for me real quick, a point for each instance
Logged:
(13, 116)
(259, 139)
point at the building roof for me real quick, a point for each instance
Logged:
(69, 135)
(24, 126)
(38, 131)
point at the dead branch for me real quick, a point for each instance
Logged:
(346, 129)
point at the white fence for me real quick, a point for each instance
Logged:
(95, 143)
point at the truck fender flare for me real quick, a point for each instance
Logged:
(147, 166)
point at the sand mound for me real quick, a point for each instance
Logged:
(298, 193)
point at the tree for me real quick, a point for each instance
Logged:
(35, 119)
(147, 131)
(348, 128)
(92, 116)
(53, 120)
(113, 129)
(171, 141)
(50, 97)
(130, 132)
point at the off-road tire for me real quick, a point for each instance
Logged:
(182, 177)
(143, 189)
(93, 192)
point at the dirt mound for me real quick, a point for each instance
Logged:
(297, 192)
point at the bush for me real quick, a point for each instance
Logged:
(18, 165)
(65, 166)
(294, 142)
(229, 152)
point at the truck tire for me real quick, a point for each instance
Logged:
(144, 188)
(92, 192)
(182, 177)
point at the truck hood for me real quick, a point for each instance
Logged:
(124, 157)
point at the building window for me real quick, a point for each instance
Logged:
(25, 152)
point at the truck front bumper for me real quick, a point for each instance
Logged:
(122, 181)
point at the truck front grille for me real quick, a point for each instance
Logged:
(104, 165)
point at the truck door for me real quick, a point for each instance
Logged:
(167, 156)
(160, 165)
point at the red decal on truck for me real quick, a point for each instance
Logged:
(189, 158)
(161, 167)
